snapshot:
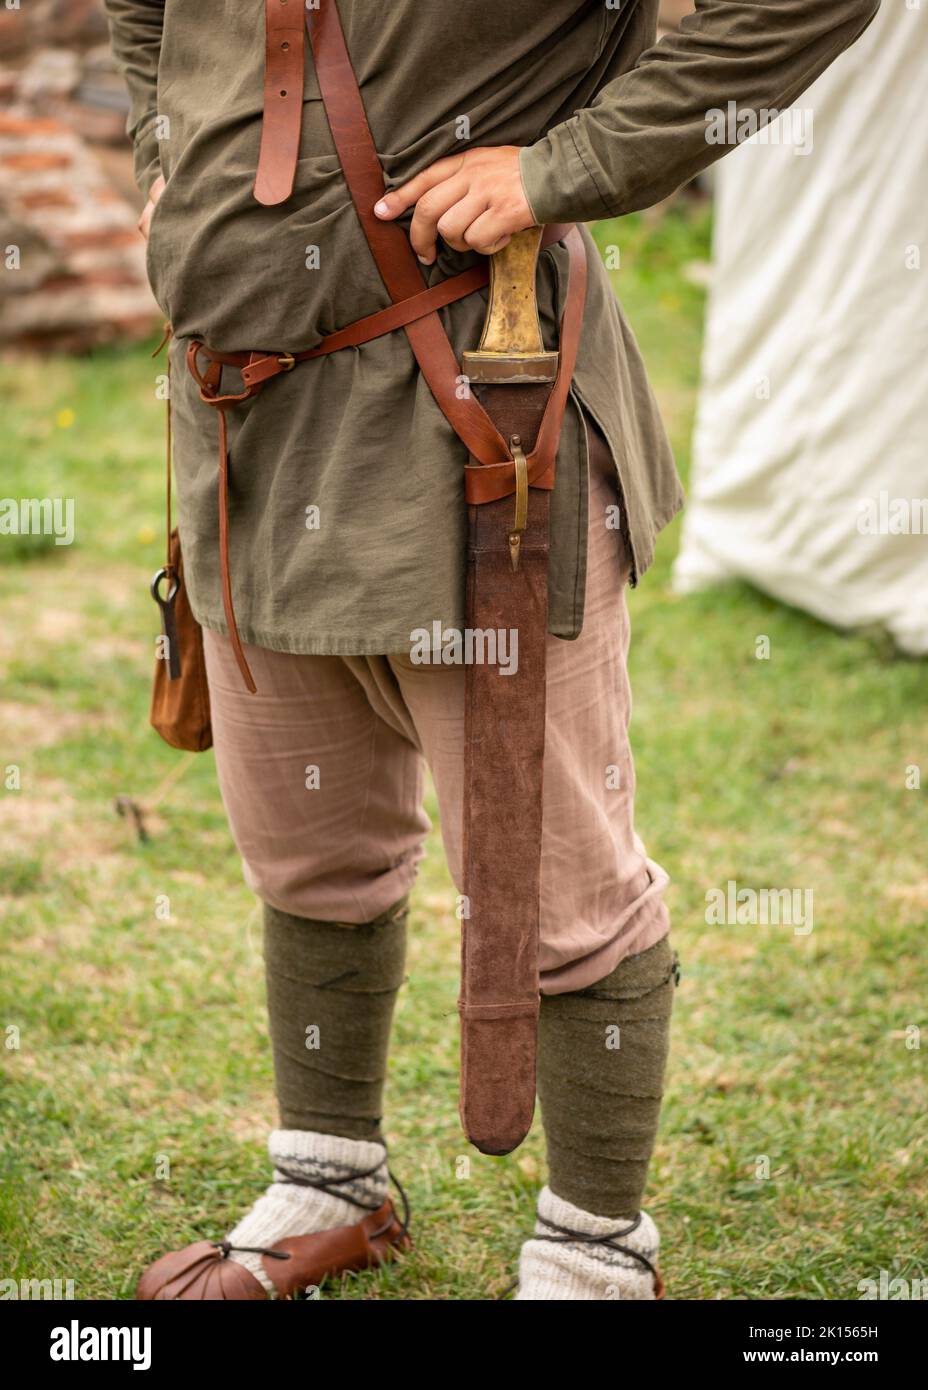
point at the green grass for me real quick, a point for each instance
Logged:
(137, 1090)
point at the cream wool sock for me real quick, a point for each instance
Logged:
(289, 1209)
(579, 1270)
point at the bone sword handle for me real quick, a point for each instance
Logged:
(511, 348)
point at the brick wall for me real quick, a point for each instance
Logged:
(72, 264)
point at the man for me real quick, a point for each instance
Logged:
(346, 520)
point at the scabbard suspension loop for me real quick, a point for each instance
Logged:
(521, 518)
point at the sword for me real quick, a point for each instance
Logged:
(512, 375)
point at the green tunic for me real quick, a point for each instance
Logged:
(347, 511)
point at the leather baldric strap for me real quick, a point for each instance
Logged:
(283, 101)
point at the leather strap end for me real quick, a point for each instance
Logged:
(272, 188)
(283, 102)
(257, 372)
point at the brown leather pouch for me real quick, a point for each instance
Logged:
(180, 694)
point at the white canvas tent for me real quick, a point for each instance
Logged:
(810, 466)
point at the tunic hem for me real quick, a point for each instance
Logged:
(324, 645)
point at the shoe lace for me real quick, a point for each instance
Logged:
(331, 1186)
(610, 1239)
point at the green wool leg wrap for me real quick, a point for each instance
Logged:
(331, 989)
(602, 1052)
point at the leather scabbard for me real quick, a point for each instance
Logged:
(522, 387)
(504, 736)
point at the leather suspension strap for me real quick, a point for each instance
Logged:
(283, 101)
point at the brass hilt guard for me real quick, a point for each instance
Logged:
(511, 351)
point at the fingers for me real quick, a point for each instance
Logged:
(486, 234)
(474, 200)
(155, 192)
(471, 226)
(144, 221)
(453, 224)
(392, 204)
(430, 209)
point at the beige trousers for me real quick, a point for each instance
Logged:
(322, 775)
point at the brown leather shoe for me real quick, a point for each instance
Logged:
(204, 1271)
